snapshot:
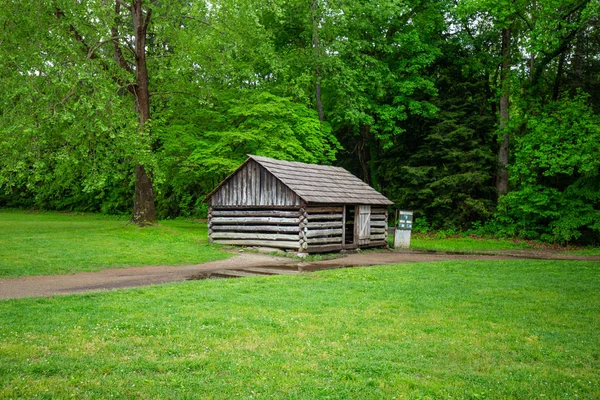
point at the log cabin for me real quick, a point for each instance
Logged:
(300, 207)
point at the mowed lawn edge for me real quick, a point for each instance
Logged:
(49, 243)
(475, 244)
(454, 329)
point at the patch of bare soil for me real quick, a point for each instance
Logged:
(246, 264)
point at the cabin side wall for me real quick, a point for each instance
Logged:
(263, 227)
(323, 228)
(378, 227)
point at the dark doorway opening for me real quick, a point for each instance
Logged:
(349, 226)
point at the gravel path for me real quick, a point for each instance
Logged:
(142, 276)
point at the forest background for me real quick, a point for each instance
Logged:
(479, 115)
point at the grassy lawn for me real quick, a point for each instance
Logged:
(585, 252)
(53, 243)
(463, 244)
(475, 244)
(501, 329)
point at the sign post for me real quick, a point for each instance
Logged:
(403, 230)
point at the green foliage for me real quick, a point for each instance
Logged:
(202, 148)
(442, 167)
(378, 71)
(68, 137)
(495, 329)
(556, 175)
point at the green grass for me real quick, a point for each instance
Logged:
(493, 329)
(585, 252)
(464, 244)
(53, 243)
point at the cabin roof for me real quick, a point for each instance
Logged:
(320, 183)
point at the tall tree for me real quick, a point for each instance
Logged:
(378, 76)
(103, 48)
(503, 149)
(317, 57)
(143, 205)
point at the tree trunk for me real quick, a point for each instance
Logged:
(316, 47)
(559, 72)
(577, 64)
(364, 155)
(144, 211)
(502, 175)
(143, 204)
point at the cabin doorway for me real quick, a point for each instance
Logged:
(349, 214)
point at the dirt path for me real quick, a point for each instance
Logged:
(115, 278)
(142, 276)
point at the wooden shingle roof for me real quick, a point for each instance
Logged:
(322, 183)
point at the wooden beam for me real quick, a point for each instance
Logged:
(325, 209)
(222, 207)
(372, 237)
(344, 225)
(257, 228)
(324, 248)
(355, 226)
(378, 210)
(378, 217)
(330, 224)
(266, 243)
(254, 220)
(316, 217)
(378, 224)
(255, 213)
(324, 232)
(324, 240)
(378, 230)
(260, 236)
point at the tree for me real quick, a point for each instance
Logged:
(378, 76)
(443, 166)
(556, 175)
(89, 54)
(503, 148)
(143, 205)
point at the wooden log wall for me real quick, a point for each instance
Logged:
(322, 227)
(379, 222)
(306, 229)
(254, 186)
(255, 227)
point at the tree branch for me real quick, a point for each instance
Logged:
(520, 15)
(562, 46)
(92, 50)
(147, 20)
(124, 4)
(91, 55)
(69, 94)
(118, 54)
(89, 51)
(174, 92)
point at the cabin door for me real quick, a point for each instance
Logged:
(363, 225)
